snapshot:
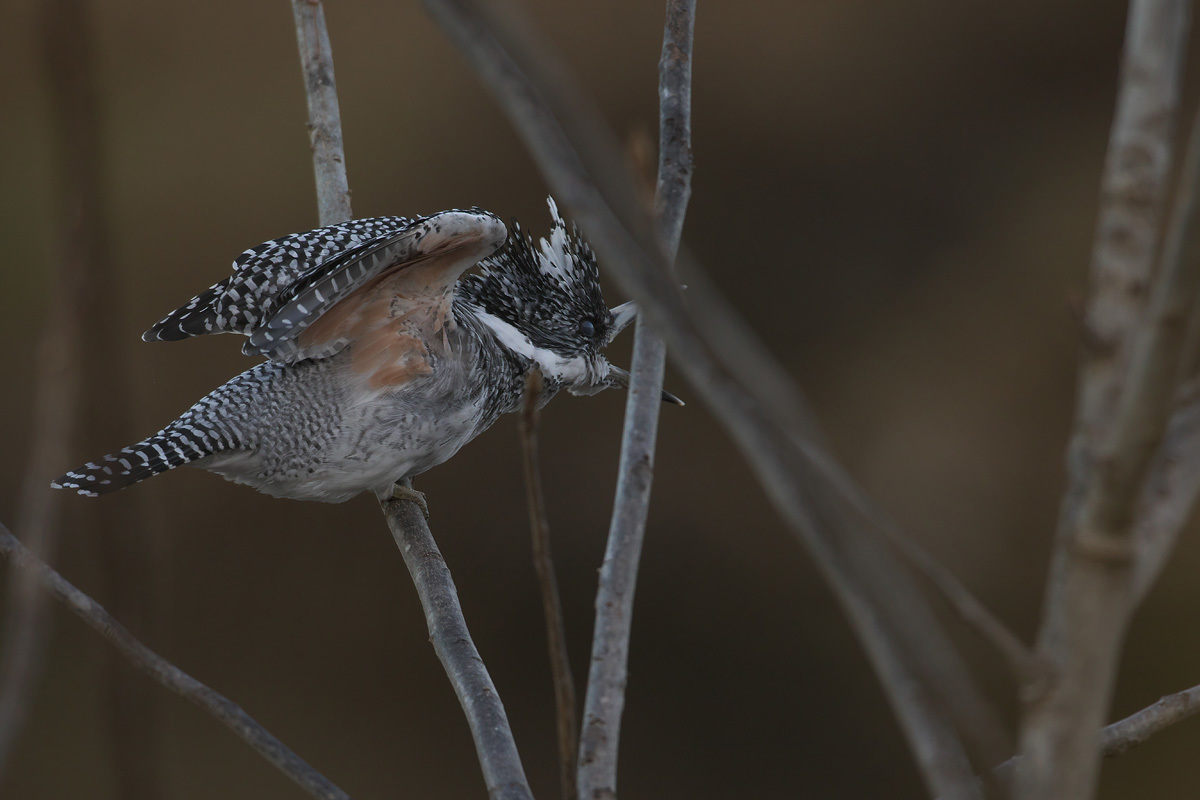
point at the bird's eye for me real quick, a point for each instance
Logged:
(587, 329)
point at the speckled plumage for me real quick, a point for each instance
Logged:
(383, 362)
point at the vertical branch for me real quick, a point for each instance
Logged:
(607, 676)
(324, 118)
(485, 714)
(1125, 391)
(58, 365)
(494, 744)
(543, 562)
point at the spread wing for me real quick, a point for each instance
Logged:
(281, 289)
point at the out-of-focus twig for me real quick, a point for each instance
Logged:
(56, 384)
(494, 743)
(166, 673)
(1126, 390)
(607, 676)
(324, 118)
(926, 681)
(1171, 488)
(543, 563)
(1125, 734)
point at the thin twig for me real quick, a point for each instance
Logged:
(1021, 660)
(581, 161)
(543, 563)
(1125, 734)
(1126, 388)
(168, 674)
(493, 737)
(608, 674)
(324, 119)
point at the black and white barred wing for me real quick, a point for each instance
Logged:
(280, 288)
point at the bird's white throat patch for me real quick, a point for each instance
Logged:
(568, 370)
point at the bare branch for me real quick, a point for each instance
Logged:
(580, 159)
(66, 53)
(1124, 735)
(1170, 490)
(607, 676)
(543, 562)
(493, 737)
(324, 118)
(1125, 393)
(168, 674)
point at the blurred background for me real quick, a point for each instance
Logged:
(899, 196)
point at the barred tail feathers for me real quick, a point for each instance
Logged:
(171, 447)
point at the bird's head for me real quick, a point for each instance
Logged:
(544, 303)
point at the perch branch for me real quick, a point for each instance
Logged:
(168, 674)
(581, 160)
(605, 701)
(324, 118)
(1126, 387)
(493, 737)
(543, 562)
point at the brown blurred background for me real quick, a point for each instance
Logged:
(898, 195)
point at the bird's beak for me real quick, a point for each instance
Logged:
(619, 377)
(622, 316)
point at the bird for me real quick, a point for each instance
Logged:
(383, 359)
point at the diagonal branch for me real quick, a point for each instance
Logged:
(580, 159)
(324, 118)
(607, 676)
(493, 737)
(543, 562)
(167, 674)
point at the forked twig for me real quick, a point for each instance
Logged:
(543, 563)
(167, 674)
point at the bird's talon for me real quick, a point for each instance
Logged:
(402, 492)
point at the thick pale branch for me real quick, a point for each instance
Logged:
(1169, 493)
(324, 118)
(543, 562)
(493, 737)
(168, 674)
(581, 161)
(607, 676)
(1125, 392)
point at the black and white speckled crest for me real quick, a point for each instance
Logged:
(546, 291)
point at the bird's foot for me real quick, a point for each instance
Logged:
(405, 492)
